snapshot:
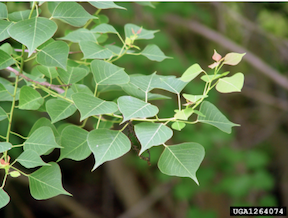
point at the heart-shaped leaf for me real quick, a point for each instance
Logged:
(192, 72)
(72, 74)
(29, 99)
(74, 148)
(4, 198)
(183, 114)
(6, 92)
(231, 84)
(182, 160)
(88, 105)
(30, 159)
(5, 60)
(59, 109)
(153, 53)
(152, 134)
(144, 34)
(81, 35)
(194, 98)
(41, 140)
(54, 55)
(5, 146)
(107, 145)
(49, 72)
(132, 107)
(72, 13)
(104, 28)
(4, 26)
(91, 50)
(169, 83)
(3, 114)
(233, 58)
(46, 182)
(214, 117)
(178, 125)
(106, 5)
(3, 11)
(108, 74)
(21, 15)
(33, 32)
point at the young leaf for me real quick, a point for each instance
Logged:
(59, 109)
(183, 114)
(144, 34)
(106, 5)
(178, 125)
(4, 198)
(182, 160)
(216, 57)
(132, 107)
(5, 60)
(208, 78)
(29, 99)
(153, 53)
(104, 28)
(41, 140)
(194, 98)
(46, 182)
(54, 55)
(33, 32)
(152, 134)
(108, 74)
(72, 74)
(74, 142)
(30, 159)
(231, 84)
(5, 146)
(91, 50)
(233, 58)
(107, 145)
(49, 72)
(81, 35)
(214, 117)
(88, 105)
(4, 26)
(3, 11)
(72, 13)
(192, 72)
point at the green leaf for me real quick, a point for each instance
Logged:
(46, 182)
(52, 6)
(5, 146)
(132, 107)
(192, 72)
(30, 159)
(209, 78)
(154, 53)
(33, 32)
(214, 117)
(81, 88)
(4, 198)
(88, 105)
(194, 98)
(6, 91)
(49, 72)
(3, 11)
(81, 35)
(21, 15)
(72, 13)
(54, 55)
(183, 114)
(152, 134)
(72, 75)
(59, 109)
(104, 28)
(7, 48)
(231, 84)
(106, 5)
(182, 160)
(107, 145)
(41, 140)
(108, 74)
(146, 4)
(91, 50)
(144, 34)
(5, 60)
(233, 58)
(29, 99)
(4, 26)
(74, 142)
(3, 114)
(169, 83)
(14, 174)
(178, 125)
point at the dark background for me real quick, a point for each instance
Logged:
(245, 168)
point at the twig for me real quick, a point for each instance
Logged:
(212, 35)
(54, 87)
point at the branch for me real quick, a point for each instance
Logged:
(54, 87)
(214, 36)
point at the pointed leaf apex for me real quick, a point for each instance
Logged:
(216, 57)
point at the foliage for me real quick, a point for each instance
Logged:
(57, 85)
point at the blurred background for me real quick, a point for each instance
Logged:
(245, 168)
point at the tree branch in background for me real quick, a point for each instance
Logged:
(214, 36)
(51, 86)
